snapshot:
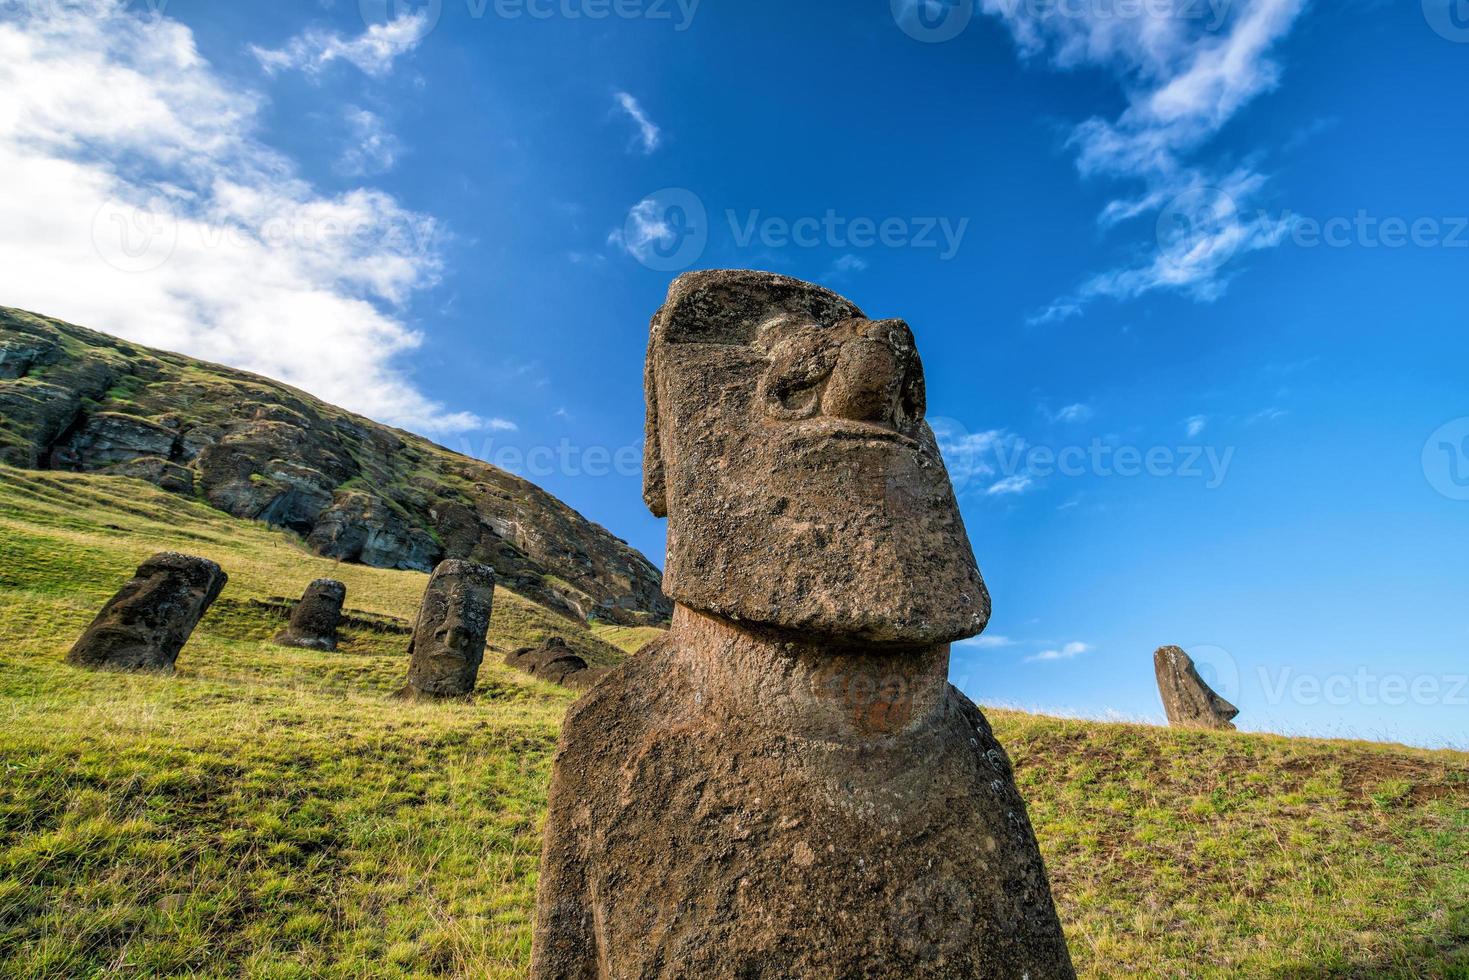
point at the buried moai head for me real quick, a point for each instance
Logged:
(150, 619)
(315, 619)
(786, 445)
(448, 642)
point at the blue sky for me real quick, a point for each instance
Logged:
(1187, 276)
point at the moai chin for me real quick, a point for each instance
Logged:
(448, 642)
(147, 623)
(787, 785)
(315, 619)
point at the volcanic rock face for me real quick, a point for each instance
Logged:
(1189, 702)
(357, 491)
(315, 619)
(150, 619)
(799, 791)
(448, 642)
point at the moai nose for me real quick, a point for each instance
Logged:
(875, 375)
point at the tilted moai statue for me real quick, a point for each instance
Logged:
(787, 785)
(448, 642)
(150, 619)
(315, 619)
(1188, 701)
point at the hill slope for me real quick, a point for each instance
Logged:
(271, 813)
(73, 399)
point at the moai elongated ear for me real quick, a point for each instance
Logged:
(655, 482)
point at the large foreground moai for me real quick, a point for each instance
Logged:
(448, 642)
(316, 617)
(1187, 700)
(150, 619)
(787, 785)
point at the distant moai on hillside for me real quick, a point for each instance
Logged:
(786, 785)
(556, 662)
(448, 642)
(1188, 701)
(147, 623)
(315, 619)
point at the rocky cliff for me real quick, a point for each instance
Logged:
(358, 491)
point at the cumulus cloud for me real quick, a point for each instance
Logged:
(372, 51)
(649, 135)
(1068, 652)
(138, 200)
(1187, 68)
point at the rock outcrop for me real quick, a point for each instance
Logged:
(1187, 700)
(786, 785)
(555, 662)
(357, 491)
(316, 617)
(150, 619)
(448, 642)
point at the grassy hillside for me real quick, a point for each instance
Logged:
(270, 813)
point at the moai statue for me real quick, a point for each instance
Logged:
(552, 661)
(448, 642)
(314, 620)
(787, 785)
(1188, 701)
(150, 619)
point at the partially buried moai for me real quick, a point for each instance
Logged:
(787, 785)
(316, 617)
(1188, 701)
(448, 642)
(150, 619)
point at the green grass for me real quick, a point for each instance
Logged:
(272, 813)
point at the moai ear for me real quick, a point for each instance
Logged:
(655, 482)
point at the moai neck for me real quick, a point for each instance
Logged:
(804, 688)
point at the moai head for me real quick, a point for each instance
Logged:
(786, 445)
(448, 642)
(147, 623)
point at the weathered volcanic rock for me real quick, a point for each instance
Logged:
(150, 619)
(356, 490)
(448, 642)
(552, 661)
(1189, 702)
(787, 786)
(315, 619)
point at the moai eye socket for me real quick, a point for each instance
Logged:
(801, 357)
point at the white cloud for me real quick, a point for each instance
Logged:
(987, 641)
(647, 225)
(848, 263)
(1019, 483)
(138, 201)
(649, 135)
(1188, 68)
(1068, 652)
(371, 148)
(1069, 413)
(1195, 424)
(372, 51)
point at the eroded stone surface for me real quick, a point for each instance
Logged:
(1188, 701)
(315, 619)
(554, 661)
(448, 642)
(150, 619)
(787, 785)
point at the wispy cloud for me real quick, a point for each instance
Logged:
(1188, 69)
(987, 641)
(132, 165)
(649, 135)
(372, 51)
(1068, 414)
(647, 225)
(371, 148)
(1195, 424)
(1068, 652)
(1010, 485)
